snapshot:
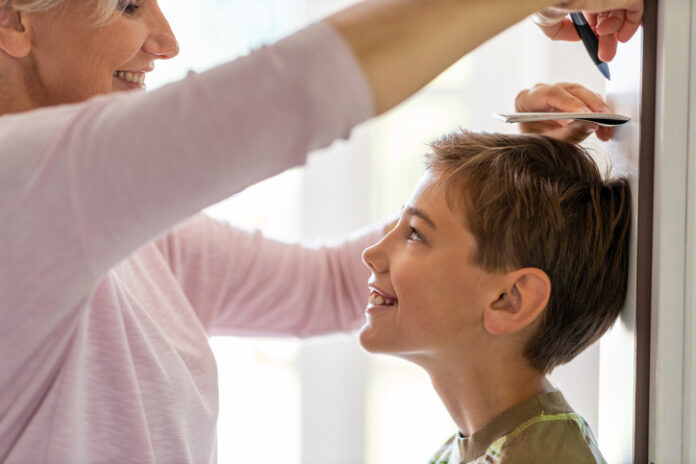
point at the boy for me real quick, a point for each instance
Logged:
(510, 258)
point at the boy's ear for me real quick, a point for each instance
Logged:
(15, 38)
(524, 296)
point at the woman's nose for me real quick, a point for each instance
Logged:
(161, 42)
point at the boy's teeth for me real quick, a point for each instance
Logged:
(378, 300)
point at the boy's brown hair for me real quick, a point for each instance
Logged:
(534, 201)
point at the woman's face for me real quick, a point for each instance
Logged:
(71, 59)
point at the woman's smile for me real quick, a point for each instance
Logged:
(132, 80)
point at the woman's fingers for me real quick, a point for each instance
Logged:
(575, 132)
(606, 49)
(591, 99)
(544, 97)
(615, 21)
(627, 30)
(556, 29)
(611, 28)
(604, 133)
(542, 127)
(562, 97)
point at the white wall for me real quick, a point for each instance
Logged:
(617, 348)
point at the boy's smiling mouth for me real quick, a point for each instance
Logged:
(380, 298)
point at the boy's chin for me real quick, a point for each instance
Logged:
(372, 341)
(364, 339)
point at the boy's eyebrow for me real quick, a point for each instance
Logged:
(412, 211)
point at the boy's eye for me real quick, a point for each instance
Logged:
(414, 235)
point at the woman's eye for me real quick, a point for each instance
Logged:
(415, 235)
(128, 8)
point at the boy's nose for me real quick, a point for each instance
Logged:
(375, 259)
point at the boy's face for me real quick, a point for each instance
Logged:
(427, 297)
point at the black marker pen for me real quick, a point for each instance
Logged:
(589, 39)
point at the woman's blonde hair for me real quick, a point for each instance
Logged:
(103, 9)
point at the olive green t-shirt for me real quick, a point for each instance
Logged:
(543, 429)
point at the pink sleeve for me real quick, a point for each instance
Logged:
(83, 186)
(241, 283)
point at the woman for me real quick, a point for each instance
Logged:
(107, 305)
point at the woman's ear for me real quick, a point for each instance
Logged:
(523, 297)
(15, 39)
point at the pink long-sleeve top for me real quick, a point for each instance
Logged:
(108, 292)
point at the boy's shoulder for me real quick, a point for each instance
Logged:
(541, 430)
(564, 437)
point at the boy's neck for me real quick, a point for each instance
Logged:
(475, 396)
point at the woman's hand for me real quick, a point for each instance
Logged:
(612, 20)
(562, 97)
